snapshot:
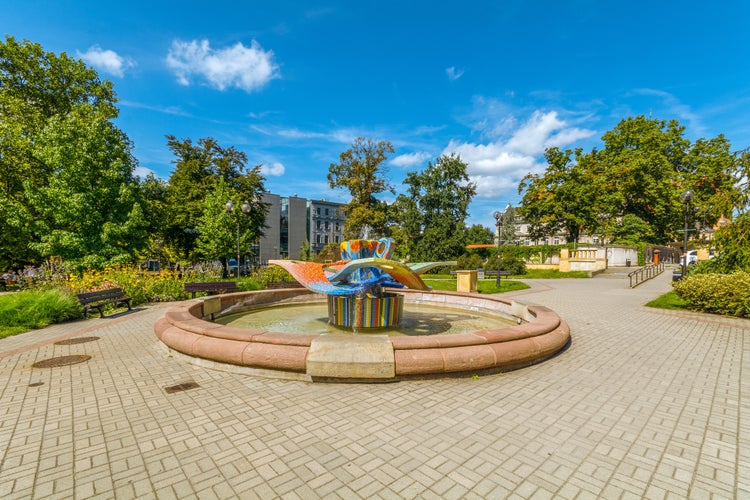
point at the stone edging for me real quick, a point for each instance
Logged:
(541, 334)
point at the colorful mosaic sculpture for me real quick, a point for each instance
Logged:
(354, 284)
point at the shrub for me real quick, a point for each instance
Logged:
(141, 286)
(717, 293)
(269, 274)
(469, 261)
(511, 261)
(27, 309)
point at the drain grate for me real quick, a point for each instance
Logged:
(36, 384)
(76, 340)
(61, 361)
(184, 386)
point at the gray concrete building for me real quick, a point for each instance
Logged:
(326, 223)
(293, 220)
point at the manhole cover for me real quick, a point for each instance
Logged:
(76, 340)
(61, 361)
(181, 387)
(36, 384)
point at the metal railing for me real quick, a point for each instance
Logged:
(645, 273)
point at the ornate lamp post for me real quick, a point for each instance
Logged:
(246, 210)
(686, 197)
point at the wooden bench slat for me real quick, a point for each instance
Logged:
(100, 298)
(211, 287)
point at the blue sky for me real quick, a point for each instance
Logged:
(292, 84)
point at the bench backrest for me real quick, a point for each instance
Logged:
(210, 286)
(109, 293)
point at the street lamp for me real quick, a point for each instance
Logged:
(686, 197)
(499, 217)
(246, 210)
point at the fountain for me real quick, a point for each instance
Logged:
(365, 293)
(354, 285)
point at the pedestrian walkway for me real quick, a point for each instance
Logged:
(644, 403)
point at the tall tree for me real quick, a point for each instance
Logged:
(361, 171)
(478, 234)
(564, 197)
(435, 209)
(61, 158)
(643, 167)
(217, 227)
(507, 233)
(89, 209)
(198, 168)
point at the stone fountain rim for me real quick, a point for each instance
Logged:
(541, 335)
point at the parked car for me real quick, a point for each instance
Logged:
(692, 258)
(232, 268)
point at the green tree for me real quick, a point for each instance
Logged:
(198, 167)
(217, 227)
(434, 212)
(478, 234)
(631, 230)
(507, 221)
(89, 210)
(742, 173)
(304, 250)
(361, 172)
(564, 197)
(643, 167)
(649, 162)
(732, 247)
(61, 158)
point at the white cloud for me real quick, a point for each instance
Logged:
(275, 169)
(453, 73)
(167, 110)
(143, 172)
(108, 61)
(411, 159)
(344, 135)
(246, 68)
(500, 164)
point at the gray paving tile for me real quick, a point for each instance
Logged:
(644, 403)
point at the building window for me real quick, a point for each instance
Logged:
(557, 241)
(326, 211)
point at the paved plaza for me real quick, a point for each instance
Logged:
(644, 403)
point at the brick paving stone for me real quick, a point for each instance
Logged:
(643, 403)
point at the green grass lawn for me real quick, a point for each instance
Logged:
(669, 300)
(531, 274)
(483, 286)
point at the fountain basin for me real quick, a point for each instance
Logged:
(184, 329)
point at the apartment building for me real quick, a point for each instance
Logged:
(291, 221)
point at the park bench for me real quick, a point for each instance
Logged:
(211, 287)
(497, 273)
(490, 272)
(101, 298)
